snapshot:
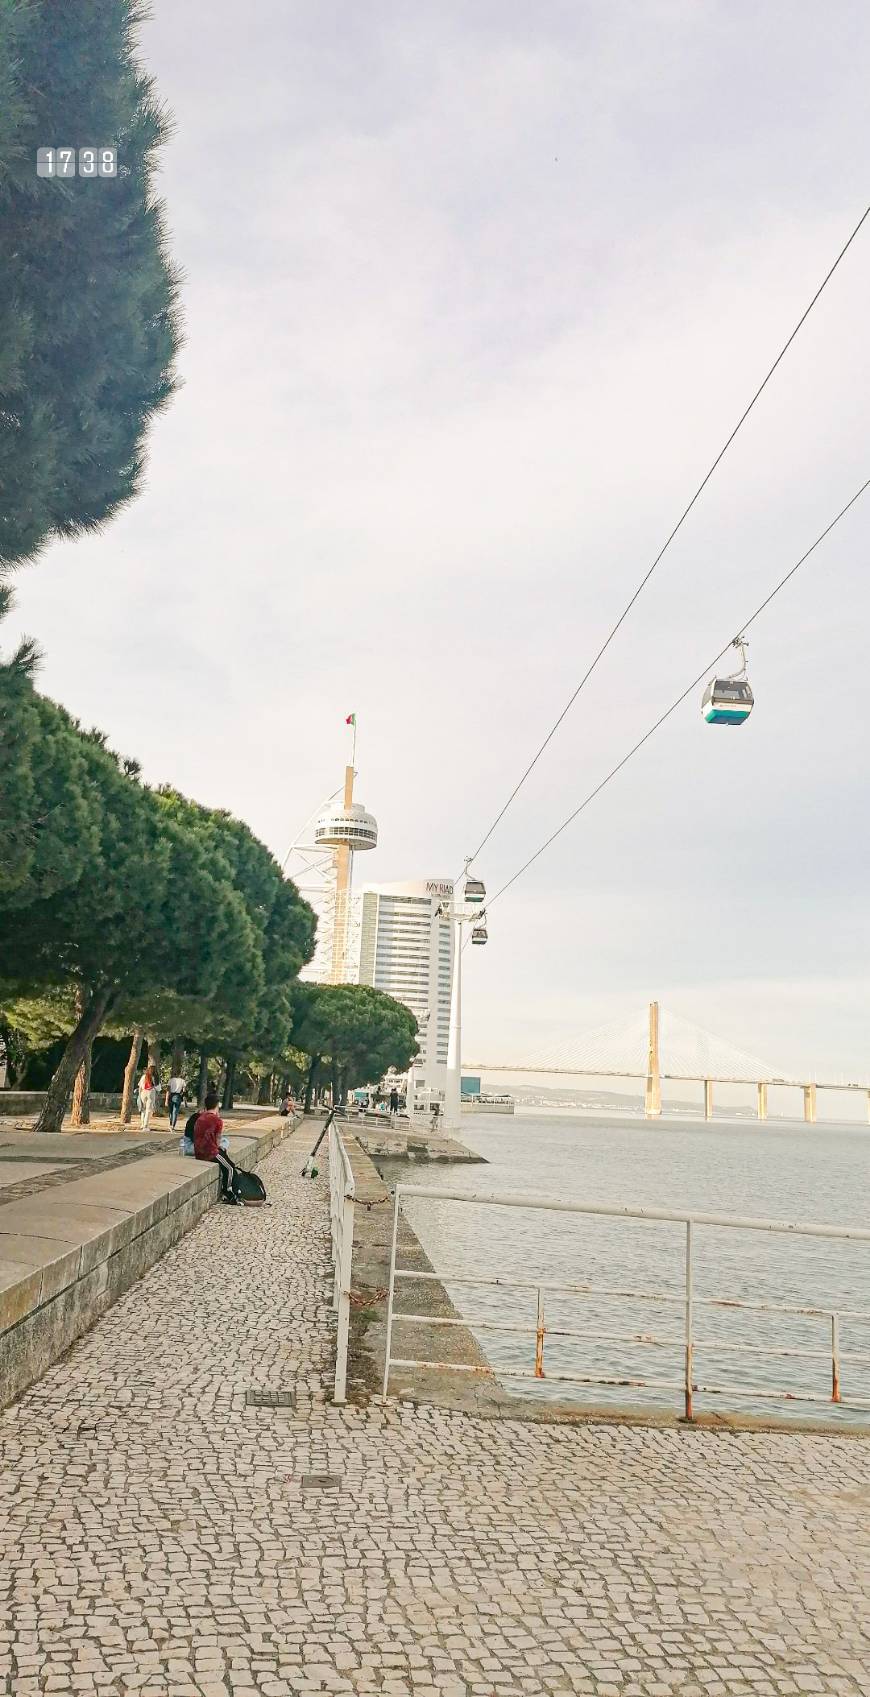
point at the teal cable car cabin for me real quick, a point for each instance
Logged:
(727, 701)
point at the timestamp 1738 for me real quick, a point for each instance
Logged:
(81, 161)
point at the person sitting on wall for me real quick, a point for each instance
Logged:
(206, 1147)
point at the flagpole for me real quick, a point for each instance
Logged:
(353, 755)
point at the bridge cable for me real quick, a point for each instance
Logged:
(680, 698)
(663, 550)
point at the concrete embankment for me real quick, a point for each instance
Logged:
(81, 1218)
(475, 1389)
(406, 1142)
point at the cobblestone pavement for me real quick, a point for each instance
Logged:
(156, 1534)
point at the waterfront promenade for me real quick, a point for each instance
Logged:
(160, 1534)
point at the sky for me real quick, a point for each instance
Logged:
(473, 296)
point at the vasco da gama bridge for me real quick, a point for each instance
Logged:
(665, 1046)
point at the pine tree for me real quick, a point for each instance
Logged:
(88, 296)
(361, 1032)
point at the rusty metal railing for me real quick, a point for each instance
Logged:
(684, 1339)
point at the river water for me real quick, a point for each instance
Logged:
(783, 1170)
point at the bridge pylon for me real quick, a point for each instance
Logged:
(652, 1102)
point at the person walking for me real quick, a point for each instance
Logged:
(394, 1105)
(206, 1147)
(147, 1098)
(177, 1093)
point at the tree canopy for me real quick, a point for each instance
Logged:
(361, 1032)
(141, 905)
(19, 730)
(120, 906)
(89, 324)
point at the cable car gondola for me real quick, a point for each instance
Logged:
(729, 701)
(479, 934)
(475, 891)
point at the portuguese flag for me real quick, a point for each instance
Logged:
(351, 720)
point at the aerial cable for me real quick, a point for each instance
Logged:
(663, 550)
(680, 698)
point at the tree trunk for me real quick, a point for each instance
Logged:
(130, 1071)
(229, 1082)
(81, 1097)
(87, 1026)
(264, 1094)
(202, 1085)
(309, 1083)
(177, 1056)
(155, 1060)
(13, 1070)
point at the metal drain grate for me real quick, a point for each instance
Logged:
(320, 1482)
(270, 1399)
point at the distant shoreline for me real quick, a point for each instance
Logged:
(673, 1113)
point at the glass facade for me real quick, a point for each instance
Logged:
(406, 949)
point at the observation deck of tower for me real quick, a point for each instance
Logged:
(320, 863)
(345, 831)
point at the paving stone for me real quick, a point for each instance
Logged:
(161, 1533)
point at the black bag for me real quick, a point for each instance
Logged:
(189, 1124)
(250, 1187)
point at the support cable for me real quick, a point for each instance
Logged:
(663, 550)
(680, 698)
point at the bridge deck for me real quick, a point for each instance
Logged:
(673, 1077)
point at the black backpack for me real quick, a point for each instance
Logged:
(249, 1187)
(190, 1123)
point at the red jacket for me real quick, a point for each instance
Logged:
(206, 1135)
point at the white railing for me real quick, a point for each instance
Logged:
(342, 1194)
(686, 1341)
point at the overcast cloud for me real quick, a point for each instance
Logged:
(474, 294)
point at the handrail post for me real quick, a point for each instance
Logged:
(835, 1358)
(343, 1266)
(335, 1166)
(388, 1347)
(689, 1342)
(539, 1337)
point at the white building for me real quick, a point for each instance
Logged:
(406, 949)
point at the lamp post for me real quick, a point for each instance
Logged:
(467, 911)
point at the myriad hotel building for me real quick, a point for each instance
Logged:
(406, 949)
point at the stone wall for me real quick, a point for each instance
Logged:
(18, 1102)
